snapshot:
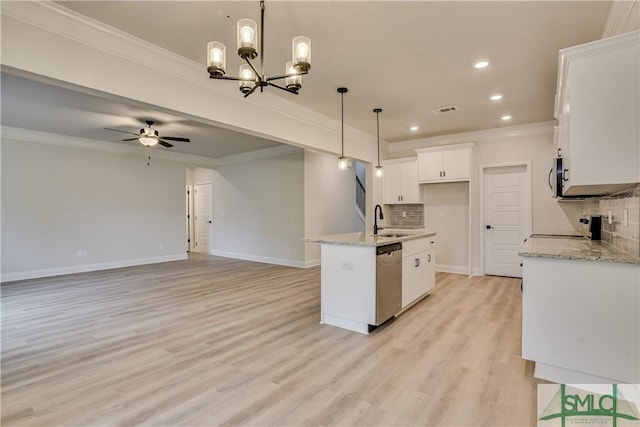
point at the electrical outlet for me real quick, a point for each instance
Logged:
(84, 253)
(404, 214)
(441, 214)
(346, 265)
(161, 246)
(79, 254)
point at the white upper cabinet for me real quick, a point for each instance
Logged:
(444, 165)
(400, 182)
(598, 109)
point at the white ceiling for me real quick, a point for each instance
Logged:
(31, 104)
(407, 57)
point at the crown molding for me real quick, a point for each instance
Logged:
(619, 14)
(407, 147)
(20, 134)
(57, 19)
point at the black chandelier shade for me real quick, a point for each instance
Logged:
(249, 77)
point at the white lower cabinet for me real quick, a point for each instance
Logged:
(581, 320)
(418, 269)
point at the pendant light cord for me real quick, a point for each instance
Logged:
(261, 40)
(342, 91)
(378, 133)
(342, 120)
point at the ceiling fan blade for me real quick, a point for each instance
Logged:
(164, 144)
(123, 131)
(130, 139)
(173, 138)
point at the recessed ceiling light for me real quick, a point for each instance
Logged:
(506, 117)
(496, 97)
(413, 128)
(481, 64)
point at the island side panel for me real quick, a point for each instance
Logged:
(581, 318)
(348, 286)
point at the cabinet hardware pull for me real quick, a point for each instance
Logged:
(429, 258)
(417, 262)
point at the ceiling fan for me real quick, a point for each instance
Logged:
(150, 137)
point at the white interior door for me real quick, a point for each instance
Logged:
(202, 217)
(506, 217)
(189, 227)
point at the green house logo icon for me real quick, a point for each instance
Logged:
(589, 407)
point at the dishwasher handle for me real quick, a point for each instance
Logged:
(388, 249)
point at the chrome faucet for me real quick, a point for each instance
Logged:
(375, 219)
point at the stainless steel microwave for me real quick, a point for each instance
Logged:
(556, 177)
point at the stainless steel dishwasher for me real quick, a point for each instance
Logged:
(388, 281)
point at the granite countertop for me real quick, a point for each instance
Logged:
(363, 239)
(579, 248)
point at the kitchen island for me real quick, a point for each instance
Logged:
(580, 311)
(353, 287)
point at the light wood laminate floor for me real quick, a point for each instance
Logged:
(214, 341)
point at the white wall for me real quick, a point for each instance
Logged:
(330, 200)
(452, 240)
(258, 210)
(533, 143)
(58, 200)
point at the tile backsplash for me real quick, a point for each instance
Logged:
(414, 216)
(620, 234)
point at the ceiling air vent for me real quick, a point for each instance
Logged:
(445, 110)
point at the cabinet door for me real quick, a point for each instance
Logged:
(455, 165)
(410, 187)
(430, 167)
(413, 277)
(603, 136)
(392, 183)
(430, 270)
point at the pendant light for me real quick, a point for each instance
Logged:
(342, 161)
(378, 167)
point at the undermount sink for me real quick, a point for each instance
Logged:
(393, 235)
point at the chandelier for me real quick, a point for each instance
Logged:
(249, 77)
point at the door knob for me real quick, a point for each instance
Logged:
(489, 227)
(209, 222)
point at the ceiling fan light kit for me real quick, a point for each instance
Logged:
(249, 78)
(149, 136)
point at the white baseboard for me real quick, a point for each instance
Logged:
(456, 269)
(259, 258)
(49, 272)
(312, 263)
